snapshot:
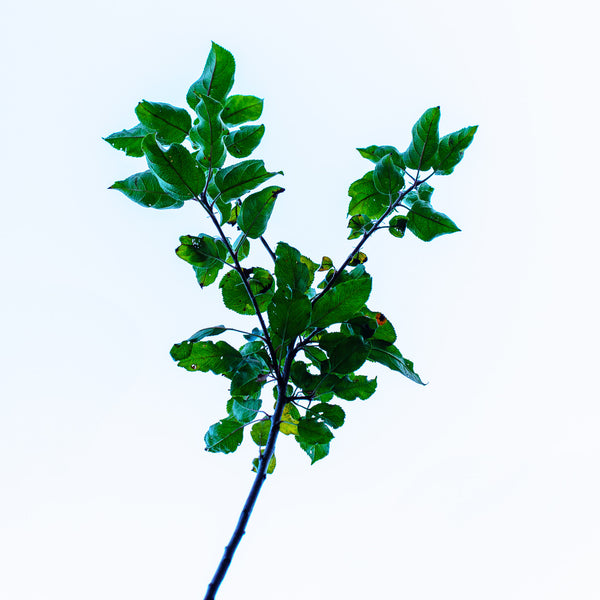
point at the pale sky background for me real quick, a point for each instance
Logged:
(482, 485)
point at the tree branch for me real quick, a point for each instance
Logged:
(261, 475)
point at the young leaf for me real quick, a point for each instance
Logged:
(144, 189)
(260, 432)
(233, 182)
(391, 357)
(365, 199)
(341, 302)
(451, 150)
(426, 223)
(178, 173)
(244, 141)
(207, 332)
(289, 420)
(129, 140)
(256, 211)
(241, 109)
(170, 123)
(208, 132)
(216, 80)
(224, 436)
(387, 177)
(425, 137)
(235, 296)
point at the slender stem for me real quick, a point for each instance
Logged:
(365, 237)
(261, 475)
(240, 270)
(266, 245)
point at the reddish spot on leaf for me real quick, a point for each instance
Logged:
(380, 318)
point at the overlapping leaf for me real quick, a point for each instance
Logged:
(235, 181)
(256, 211)
(241, 109)
(451, 150)
(425, 137)
(235, 296)
(170, 123)
(144, 189)
(242, 142)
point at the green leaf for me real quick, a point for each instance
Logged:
(206, 276)
(326, 263)
(312, 431)
(144, 189)
(236, 180)
(171, 124)
(358, 259)
(424, 192)
(216, 80)
(376, 153)
(207, 133)
(270, 468)
(128, 140)
(397, 225)
(384, 331)
(242, 247)
(260, 432)
(202, 251)
(235, 296)
(451, 150)
(315, 451)
(244, 141)
(359, 224)
(290, 270)
(178, 173)
(256, 211)
(391, 357)
(249, 376)
(365, 199)
(219, 357)
(330, 414)
(425, 138)
(352, 387)
(224, 436)
(346, 353)
(387, 177)
(207, 332)
(245, 409)
(289, 314)
(426, 223)
(341, 302)
(241, 109)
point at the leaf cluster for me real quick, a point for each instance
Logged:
(314, 330)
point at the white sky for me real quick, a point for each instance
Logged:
(484, 484)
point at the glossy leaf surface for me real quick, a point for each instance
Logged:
(241, 109)
(144, 189)
(425, 137)
(235, 181)
(178, 173)
(217, 77)
(129, 140)
(451, 150)
(256, 211)
(242, 142)
(171, 124)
